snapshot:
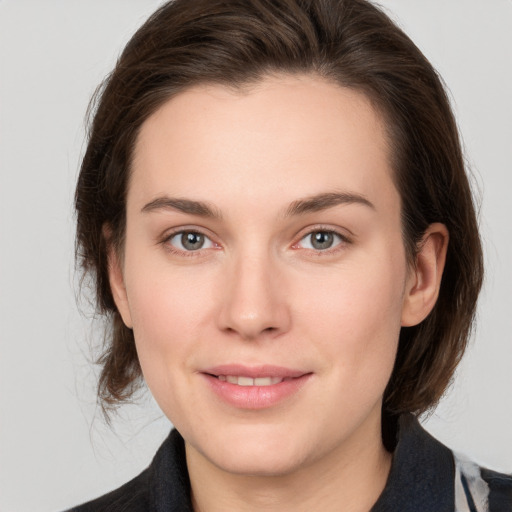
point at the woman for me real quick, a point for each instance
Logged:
(274, 205)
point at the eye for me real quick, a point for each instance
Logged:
(321, 240)
(189, 241)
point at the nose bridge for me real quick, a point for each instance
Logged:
(254, 304)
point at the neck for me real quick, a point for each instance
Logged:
(353, 475)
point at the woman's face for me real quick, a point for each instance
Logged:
(264, 273)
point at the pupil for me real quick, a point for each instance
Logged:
(192, 241)
(322, 240)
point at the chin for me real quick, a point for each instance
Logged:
(255, 451)
(260, 462)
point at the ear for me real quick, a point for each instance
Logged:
(424, 280)
(116, 279)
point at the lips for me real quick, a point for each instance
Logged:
(254, 387)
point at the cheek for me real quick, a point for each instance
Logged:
(169, 311)
(356, 320)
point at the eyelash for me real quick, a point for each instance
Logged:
(343, 240)
(184, 253)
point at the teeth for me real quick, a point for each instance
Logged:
(245, 381)
(248, 381)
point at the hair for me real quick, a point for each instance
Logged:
(239, 42)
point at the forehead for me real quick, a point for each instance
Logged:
(296, 135)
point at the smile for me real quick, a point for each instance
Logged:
(250, 388)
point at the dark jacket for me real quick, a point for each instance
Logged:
(425, 477)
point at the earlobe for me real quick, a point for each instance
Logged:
(116, 280)
(424, 281)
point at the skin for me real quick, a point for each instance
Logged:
(259, 292)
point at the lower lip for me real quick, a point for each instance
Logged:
(256, 397)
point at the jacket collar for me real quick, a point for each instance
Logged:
(422, 473)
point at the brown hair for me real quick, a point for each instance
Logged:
(236, 42)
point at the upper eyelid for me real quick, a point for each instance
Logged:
(344, 233)
(170, 233)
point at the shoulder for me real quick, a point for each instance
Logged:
(479, 488)
(500, 490)
(164, 485)
(427, 476)
(131, 497)
(497, 480)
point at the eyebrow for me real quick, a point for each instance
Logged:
(324, 201)
(299, 207)
(182, 205)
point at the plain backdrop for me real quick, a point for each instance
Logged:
(55, 449)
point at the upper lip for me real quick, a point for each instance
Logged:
(254, 371)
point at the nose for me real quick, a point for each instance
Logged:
(254, 301)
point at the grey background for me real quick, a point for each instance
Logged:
(55, 450)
